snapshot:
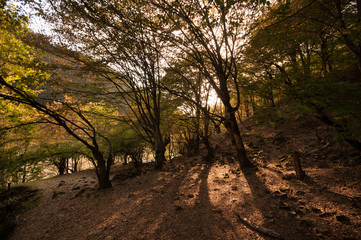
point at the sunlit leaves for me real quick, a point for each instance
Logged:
(20, 64)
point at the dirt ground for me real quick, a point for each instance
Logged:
(192, 199)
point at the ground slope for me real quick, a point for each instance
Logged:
(192, 199)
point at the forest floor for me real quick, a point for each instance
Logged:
(192, 199)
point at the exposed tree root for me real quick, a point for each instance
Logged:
(258, 229)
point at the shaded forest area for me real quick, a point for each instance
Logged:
(175, 93)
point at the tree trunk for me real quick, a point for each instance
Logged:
(62, 166)
(205, 139)
(324, 54)
(102, 170)
(170, 151)
(67, 166)
(159, 147)
(272, 98)
(24, 174)
(254, 106)
(138, 162)
(232, 127)
(352, 44)
(246, 106)
(125, 159)
(75, 164)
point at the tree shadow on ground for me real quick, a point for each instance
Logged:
(319, 190)
(186, 212)
(204, 221)
(277, 213)
(167, 205)
(334, 213)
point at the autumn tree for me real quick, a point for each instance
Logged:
(122, 51)
(23, 75)
(15, 142)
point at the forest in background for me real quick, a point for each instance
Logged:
(116, 79)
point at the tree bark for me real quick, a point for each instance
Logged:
(24, 174)
(102, 170)
(159, 147)
(67, 166)
(300, 173)
(232, 127)
(205, 139)
(125, 159)
(62, 166)
(75, 164)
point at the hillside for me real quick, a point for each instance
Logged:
(193, 199)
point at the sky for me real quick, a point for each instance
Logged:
(36, 23)
(39, 25)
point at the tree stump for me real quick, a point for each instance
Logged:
(300, 174)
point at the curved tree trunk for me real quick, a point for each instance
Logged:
(232, 127)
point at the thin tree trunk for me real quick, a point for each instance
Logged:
(24, 174)
(324, 55)
(253, 102)
(205, 140)
(75, 164)
(67, 166)
(272, 99)
(137, 161)
(125, 159)
(246, 106)
(354, 46)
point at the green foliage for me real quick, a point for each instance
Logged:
(19, 62)
(138, 72)
(297, 58)
(20, 65)
(126, 142)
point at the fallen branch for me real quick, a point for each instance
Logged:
(258, 229)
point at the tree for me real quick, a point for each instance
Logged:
(308, 63)
(212, 33)
(185, 82)
(130, 145)
(124, 53)
(21, 77)
(58, 152)
(15, 142)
